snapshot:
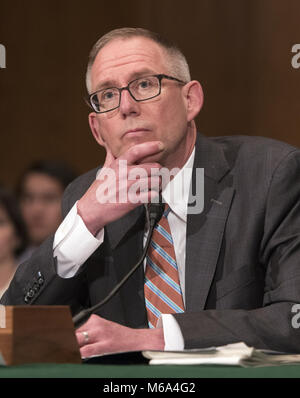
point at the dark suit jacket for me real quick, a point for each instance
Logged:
(242, 252)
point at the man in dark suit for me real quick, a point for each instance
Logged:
(238, 259)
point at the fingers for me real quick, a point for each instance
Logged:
(84, 332)
(143, 190)
(83, 336)
(137, 153)
(121, 185)
(81, 339)
(132, 156)
(91, 336)
(91, 349)
(115, 182)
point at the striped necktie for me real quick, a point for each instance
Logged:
(162, 288)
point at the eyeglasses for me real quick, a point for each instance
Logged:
(141, 89)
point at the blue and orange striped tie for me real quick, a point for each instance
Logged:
(162, 288)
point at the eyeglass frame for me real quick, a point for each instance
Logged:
(158, 76)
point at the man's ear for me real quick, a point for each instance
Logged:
(95, 128)
(194, 99)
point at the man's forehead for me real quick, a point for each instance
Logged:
(127, 56)
(128, 46)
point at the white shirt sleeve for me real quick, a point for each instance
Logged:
(73, 244)
(172, 333)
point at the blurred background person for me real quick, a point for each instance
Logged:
(13, 237)
(40, 190)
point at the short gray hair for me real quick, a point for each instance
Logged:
(177, 62)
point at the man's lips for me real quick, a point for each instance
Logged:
(136, 131)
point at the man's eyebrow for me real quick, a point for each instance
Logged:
(141, 73)
(105, 84)
(133, 76)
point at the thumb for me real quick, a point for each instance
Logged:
(108, 161)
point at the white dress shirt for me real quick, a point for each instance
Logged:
(74, 244)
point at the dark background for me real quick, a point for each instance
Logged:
(240, 51)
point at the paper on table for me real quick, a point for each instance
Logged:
(2, 362)
(2, 317)
(238, 354)
(2, 325)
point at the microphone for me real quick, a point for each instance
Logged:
(155, 212)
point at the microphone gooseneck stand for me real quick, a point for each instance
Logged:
(155, 211)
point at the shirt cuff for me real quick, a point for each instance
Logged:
(172, 334)
(74, 244)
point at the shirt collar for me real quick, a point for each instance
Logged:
(176, 192)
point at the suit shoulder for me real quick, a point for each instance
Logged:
(249, 148)
(84, 180)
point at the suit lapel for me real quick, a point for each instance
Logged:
(118, 229)
(205, 230)
(125, 238)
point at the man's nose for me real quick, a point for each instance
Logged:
(128, 106)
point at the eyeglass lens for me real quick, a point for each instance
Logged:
(140, 89)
